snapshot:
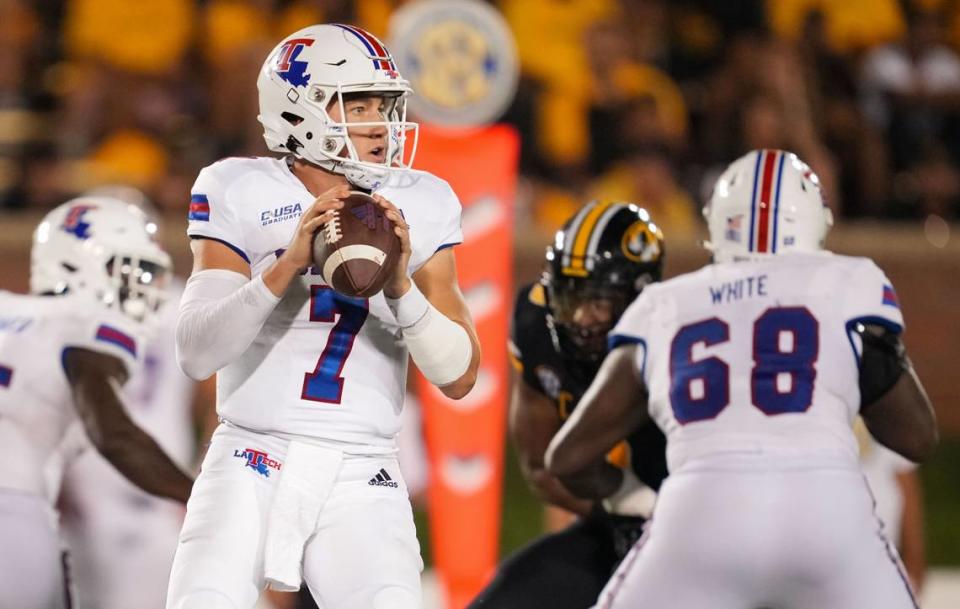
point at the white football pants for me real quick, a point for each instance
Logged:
(121, 539)
(31, 556)
(364, 552)
(800, 539)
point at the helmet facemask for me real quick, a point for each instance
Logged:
(338, 146)
(599, 262)
(139, 285)
(333, 147)
(581, 313)
(104, 249)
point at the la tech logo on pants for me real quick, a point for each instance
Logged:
(258, 461)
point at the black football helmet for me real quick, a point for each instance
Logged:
(600, 260)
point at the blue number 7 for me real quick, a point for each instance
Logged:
(325, 384)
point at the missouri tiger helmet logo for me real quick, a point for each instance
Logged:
(641, 242)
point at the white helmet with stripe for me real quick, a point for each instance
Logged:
(314, 68)
(766, 202)
(102, 247)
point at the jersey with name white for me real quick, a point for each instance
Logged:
(759, 358)
(36, 405)
(323, 365)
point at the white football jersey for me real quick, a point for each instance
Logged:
(159, 399)
(122, 539)
(758, 358)
(36, 406)
(323, 365)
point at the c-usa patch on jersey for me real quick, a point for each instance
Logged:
(280, 214)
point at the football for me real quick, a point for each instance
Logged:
(357, 249)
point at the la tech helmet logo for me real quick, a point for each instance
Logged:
(75, 223)
(288, 68)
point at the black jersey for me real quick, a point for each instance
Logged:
(564, 382)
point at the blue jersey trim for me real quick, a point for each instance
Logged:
(618, 340)
(63, 361)
(236, 249)
(446, 245)
(6, 375)
(869, 319)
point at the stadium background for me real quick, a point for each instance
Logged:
(631, 99)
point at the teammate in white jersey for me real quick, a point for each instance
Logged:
(65, 352)
(755, 368)
(121, 540)
(301, 480)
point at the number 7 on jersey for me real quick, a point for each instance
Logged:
(325, 384)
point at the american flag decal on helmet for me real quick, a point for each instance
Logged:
(378, 53)
(890, 297)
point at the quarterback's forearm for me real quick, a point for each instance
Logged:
(221, 312)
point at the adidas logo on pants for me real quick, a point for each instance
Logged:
(382, 479)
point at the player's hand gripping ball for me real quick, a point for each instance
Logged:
(358, 248)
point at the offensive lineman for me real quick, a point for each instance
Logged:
(66, 350)
(600, 261)
(755, 368)
(301, 481)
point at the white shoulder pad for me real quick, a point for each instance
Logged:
(430, 207)
(106, 332)
(449, 213)
(212, 214)
(632, 327)
(870, 295)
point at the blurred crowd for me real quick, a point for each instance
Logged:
(625, 99)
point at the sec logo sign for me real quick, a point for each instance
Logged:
(460, 58)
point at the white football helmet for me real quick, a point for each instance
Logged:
(102, 247)
(317, 66)
(766, 202)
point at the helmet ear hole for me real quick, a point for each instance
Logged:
(291, 118)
